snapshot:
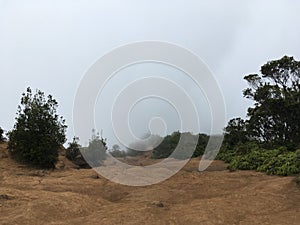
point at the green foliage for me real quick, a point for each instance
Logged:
(186, 147)
(147, 144)
(274, 119)
(226, 155)
(38, 132)
(73, 149)
(117, 152)
(273, 122)
(252, 160)
(89, 157)
(201, 145)
(167, 146)
(274, 162)
(244, 148)
(1, 135)
(236, 132)
(95, 153)
(284, 164)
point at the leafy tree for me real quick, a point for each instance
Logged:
(167, 146)
(95, 153)
(87, 157)
(272, 122)
(117, 152)
(148, 143)
(38, 132)
(201, 145)
(187, 148)
(235, 132)
(275, 117)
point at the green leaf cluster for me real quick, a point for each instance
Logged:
(39, 131)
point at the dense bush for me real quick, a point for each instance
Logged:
(147, 144)
(201, 145)
(236, 132)
(226, 155)
(91, 156)
(166, 147)
(95, 153)
(187, 148)
(73, 149)
(118, 153)
(284, 164)
(274, 162)
(38, 132)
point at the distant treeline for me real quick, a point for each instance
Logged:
(162, 147)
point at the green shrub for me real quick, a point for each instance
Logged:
(244, 148)
(226, 156)
(167, 146)
(118, 153)
(285, 164)
(187, 148)
(73, 149)
(201, 145)
(274, 162)
(38, 132)
(95, 153)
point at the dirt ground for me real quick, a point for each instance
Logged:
(216, 196)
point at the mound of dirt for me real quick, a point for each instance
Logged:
(216, 196)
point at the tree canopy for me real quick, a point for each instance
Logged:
(269, 139)
(275, 117)
(274, 120)
(39, 131)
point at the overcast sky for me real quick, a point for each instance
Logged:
(50, 45)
